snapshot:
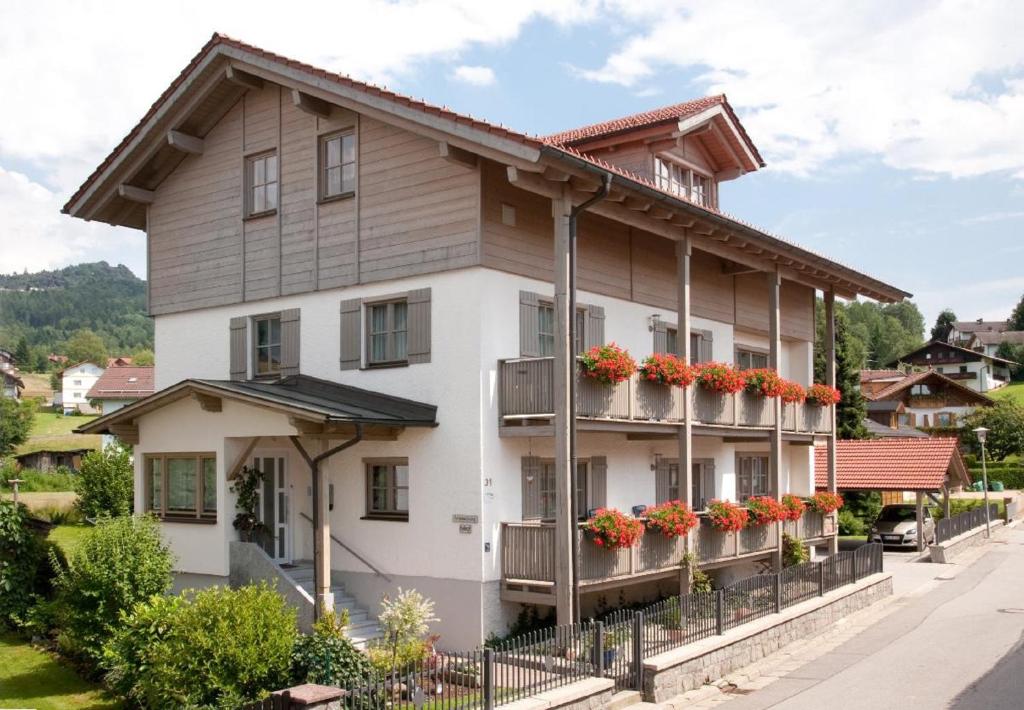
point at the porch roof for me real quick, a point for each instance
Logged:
(893, 464)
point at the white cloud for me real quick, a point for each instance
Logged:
(477, 76)
(933, 87)
(993, 217)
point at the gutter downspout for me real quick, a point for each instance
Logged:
(574, 514)
(320, 550)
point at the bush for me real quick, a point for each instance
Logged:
(850, 524)
(60, 480)
(794, 552)
(405, 621)
(56, 515)
(217, 648)
(26, 573)
(105, 483)
(327, 657)
(120, 562)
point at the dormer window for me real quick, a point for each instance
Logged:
(678, 180)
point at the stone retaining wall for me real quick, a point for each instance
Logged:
(945, 551)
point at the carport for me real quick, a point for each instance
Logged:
(928, 467)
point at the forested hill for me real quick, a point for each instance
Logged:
(47, 307)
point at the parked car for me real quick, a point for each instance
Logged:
(897, 526)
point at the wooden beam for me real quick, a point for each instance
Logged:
(737, 269)
(584, 185)
(307, 427)
(185, 143)
(243, 78)
(240, 460)
(661, 213)
(310, 104)
(638, 204)
(128, 433)
(136, 194)
(532, 183)
(651, 436)
(208, 403)
(457, 156)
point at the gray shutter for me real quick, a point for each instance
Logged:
(238, 350)
(532, 509)
(418, 323)
(351, 310)
(708, 491)
(661, 482)
(594, 330)
(598, 482)
(289, 342)
(706, 343)
(660, 336)
(529, 324)
(744, 483)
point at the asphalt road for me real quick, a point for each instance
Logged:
(957, 644)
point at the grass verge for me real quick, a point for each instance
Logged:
(32, 678)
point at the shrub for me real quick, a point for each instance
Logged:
(608, 364)
(667, 369)
(16, 419)
(405, 621)
(613, 529)
(56, 515)
(764, 381)
(26, 573)
(105, 483)
(721, 378)
(793, 507)
(793, 551)
(327, 657)
(120, 562)
(60, 479)
(824, 502)
(727, 516)
(672, 519)
(850, 524)
(823, 395)
(763, 510)
(218, 647)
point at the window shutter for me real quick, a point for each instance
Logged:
(744, 482)
(660, 336)
(708, 491)
(289, 342)
(598, 483)
(532, 508)
(419, 325)
(594, 331)
(661, 481)
(706, 353)
(237, 345)
(351, 310)
(529, 324)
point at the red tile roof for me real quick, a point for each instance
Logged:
(892, 464)
(123, 383)
(918, 377)
(871, 375)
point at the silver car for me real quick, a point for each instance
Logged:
(897, 526)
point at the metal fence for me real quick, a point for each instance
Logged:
(950, 527)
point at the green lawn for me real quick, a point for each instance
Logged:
(30, 678)
(54, 432)
(1013, 391)
(68, 537)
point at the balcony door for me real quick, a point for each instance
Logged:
(668, 486)
(274, 506)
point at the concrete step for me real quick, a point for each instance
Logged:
(363, 627)
(624, 699)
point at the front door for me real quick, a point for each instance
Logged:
(274, 506)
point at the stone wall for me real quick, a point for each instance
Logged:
(689, 667)
(945, 551)
(249, 564)
(587, 694)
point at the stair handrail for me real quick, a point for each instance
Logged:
(351, 552)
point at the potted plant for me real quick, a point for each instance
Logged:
(672, 519)
(667, 369)
(720, 377)
(726, 516)
(792, 392)
(824, 502)
(763, 510)
(793, 506)
(763, 381)
(608, 364)
(611, 640)
(823, 395)
(247, 520)
(613, 529)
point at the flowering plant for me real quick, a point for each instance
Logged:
(719, 377)
(608, 364)
(764, 510)
(823, 395)
(792, 392)
(727, 516)
(793, 507)
(764, 381)
(825, 502)
(667, 369)
(672, 519)
(612, 529)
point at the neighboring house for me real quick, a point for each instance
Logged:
(12, 384)
(76, 381)
(924, 399)
(976, 370)
(872, 381)
(49, 460)
(989, 342)
(120, 386)
(343, 273)
(57, 359)
(7, 361)
(964, 330)
(886, 419)
(118, 361)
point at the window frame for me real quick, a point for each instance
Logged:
(199, 514)
(767, 490)
(391, 511)
(751, 352)
(391, 358)
(323, 167)
(250, 184)
(583, 489)
(579, 347)
(254, 347)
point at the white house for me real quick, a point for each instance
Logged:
(988, 342)
(76, 381)
(366, 298)
(120, 386)
(979, 371)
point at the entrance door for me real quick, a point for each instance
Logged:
(274, 506)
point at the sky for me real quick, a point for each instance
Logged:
(893, 132)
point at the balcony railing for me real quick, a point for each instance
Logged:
(527, 390)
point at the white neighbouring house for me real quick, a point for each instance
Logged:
(360, 295)
(76, 381)
(974, 369)
(119, 386)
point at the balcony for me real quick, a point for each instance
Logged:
(528, 553)
(526, 392)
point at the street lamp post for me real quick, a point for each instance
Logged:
(982, 433)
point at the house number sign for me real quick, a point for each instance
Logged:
(465, 519)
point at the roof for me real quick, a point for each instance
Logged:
(957, 348)
(83, 362)
(893, 464)
(123, 382)
(33, 451)
(12, 377)
(468, 128)
(301, 395)
(996, 337)
(916, 378)
(974, 326)
(872, 375)
(119, 361)
(879, 430)
(885, 405)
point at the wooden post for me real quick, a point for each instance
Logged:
(945, 501)
(565, 527)
(775, 362)
(830, 380)
(920, 521)
(322, 596)
(683, 324)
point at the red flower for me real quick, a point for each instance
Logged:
(793, 392)
(793, 506)
(612, 529)
(720, 377)
(823, 395)
(671, 519)
(764, 510)
(608, 364)
(667, 369)
(727, 516)
(825, 502)
(763, 381)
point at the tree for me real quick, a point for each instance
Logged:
(143, 358)
(1005, 423)
(105, 483)
(851, 410)
(944, 324)
(22, 354)
(16, 419)
(84, 346)
(1013, 352)
(1016, 321)
(887, 332)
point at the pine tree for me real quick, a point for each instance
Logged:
(944, 324)
(852, 409)
(22, 354)
(1016, 321)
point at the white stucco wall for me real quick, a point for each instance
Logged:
(76, 383)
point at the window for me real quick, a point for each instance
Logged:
(908, 419)
(546, 329)
(547, 489)
(181, 486)
(747, 359)
(963, 369)
(266, 345)
(946, 419)
(387, 332)
(753, 478)
(76, 383)
(672, 341)
(387, 489)
(701, 190)
(670, 177)
(261, 184)
(337, 165)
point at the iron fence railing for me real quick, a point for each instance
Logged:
(948, 528)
